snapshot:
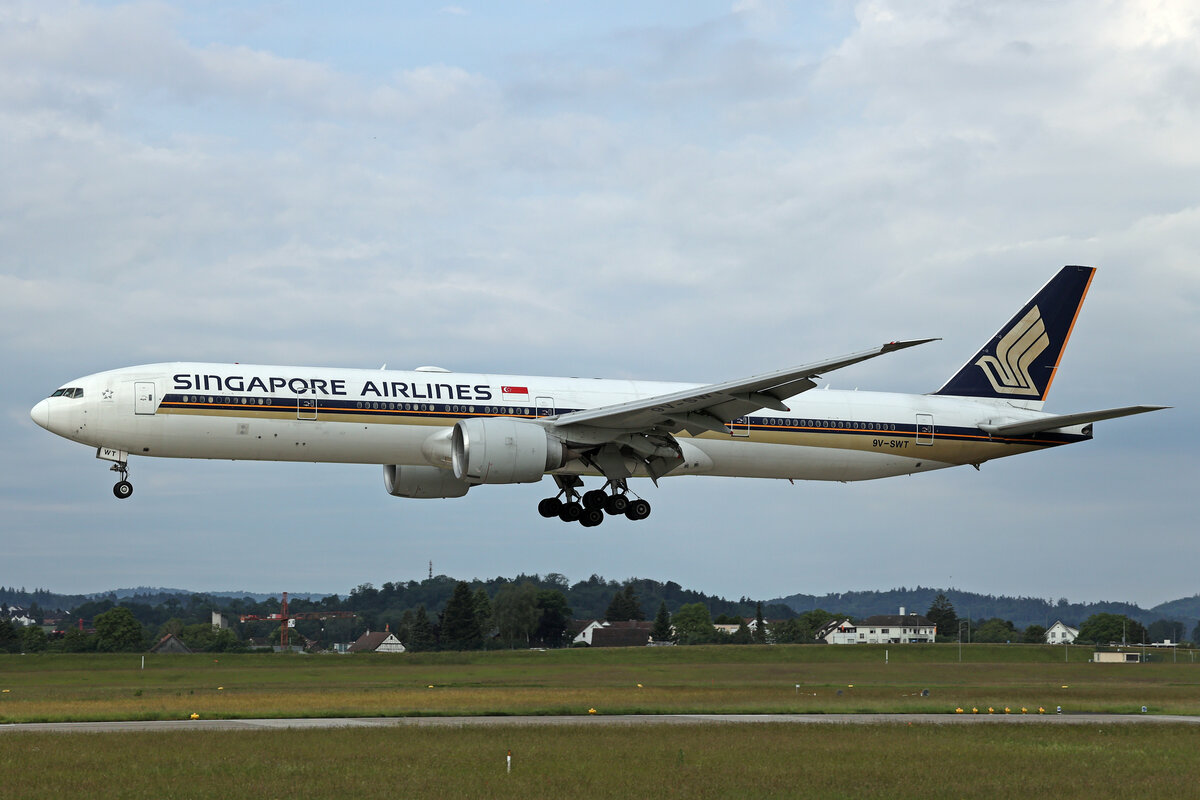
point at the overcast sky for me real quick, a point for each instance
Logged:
(686, 191)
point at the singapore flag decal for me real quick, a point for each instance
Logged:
(514, 390)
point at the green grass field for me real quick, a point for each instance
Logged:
(895, 760)
(50, 688)
(661, 761)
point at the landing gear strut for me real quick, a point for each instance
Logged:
(589, 508)
(123, 488)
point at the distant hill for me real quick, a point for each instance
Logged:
(1186, 608)
(147, 594)
(151, 595)
(1022, 611)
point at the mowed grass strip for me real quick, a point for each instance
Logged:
(672, 680)
(621, 761)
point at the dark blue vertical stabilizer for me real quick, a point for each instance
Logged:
(1019, 362)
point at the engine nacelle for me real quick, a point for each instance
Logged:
(405, 481)
(500, 450)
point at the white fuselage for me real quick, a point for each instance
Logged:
(276, 413)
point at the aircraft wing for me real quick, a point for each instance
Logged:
(708, 408)
(1063, 421)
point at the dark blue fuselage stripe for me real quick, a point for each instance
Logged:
(392, 410)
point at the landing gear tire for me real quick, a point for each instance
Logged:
(570, 512)
(638, 509)
(123, 489)
(616, 504)
(594, 499)
(591, 517)
(550, 507)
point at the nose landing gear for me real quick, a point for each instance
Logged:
(123, 488)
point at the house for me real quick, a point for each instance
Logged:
(881, 629)
(1060, 633)
(170, 644)
(583, 629)
(839, 631)
(377, 642)
(634, 633)
(20, 616)
(602, 633)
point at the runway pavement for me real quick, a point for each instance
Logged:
(599, 719)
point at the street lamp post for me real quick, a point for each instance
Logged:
(962, 622)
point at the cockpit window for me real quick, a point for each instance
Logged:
(72, 392)
(59, 393)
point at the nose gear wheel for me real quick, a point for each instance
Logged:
(123, 488)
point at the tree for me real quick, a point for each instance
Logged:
(789, 631)
(1111, 628)
(33, 639)
(554, 615)
(421, 635)
(760, 625)
(199, 637)
(942, 614)
(9, 641)
(693, 624)
(483, 613)
(625, 606)
(742, 635)
(516, 613)
(76, 641)
(1034, 634)
(661, 632)
(995, 630)
(460, 628)
(1165, 629)
(119, 631)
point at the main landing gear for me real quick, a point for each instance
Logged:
(589, 509)
(123, 488)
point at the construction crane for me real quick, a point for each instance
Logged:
(287, 620)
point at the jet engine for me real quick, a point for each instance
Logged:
(406, 481)
(500, 450)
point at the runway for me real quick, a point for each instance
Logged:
(599, 719)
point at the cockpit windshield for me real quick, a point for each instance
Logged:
(73, 391)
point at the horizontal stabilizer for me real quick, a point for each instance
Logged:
(1063, 421)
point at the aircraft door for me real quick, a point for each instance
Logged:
(306, 408)
(144, 397)
(545, 406)
(739, 427)
(924, 428)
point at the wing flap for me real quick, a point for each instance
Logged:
(1063, 421)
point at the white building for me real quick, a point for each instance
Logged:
(377, 642)
(1060, 633)
(881, 629)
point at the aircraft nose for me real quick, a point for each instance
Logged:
(41, 414)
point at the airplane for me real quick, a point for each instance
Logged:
(438, 433)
